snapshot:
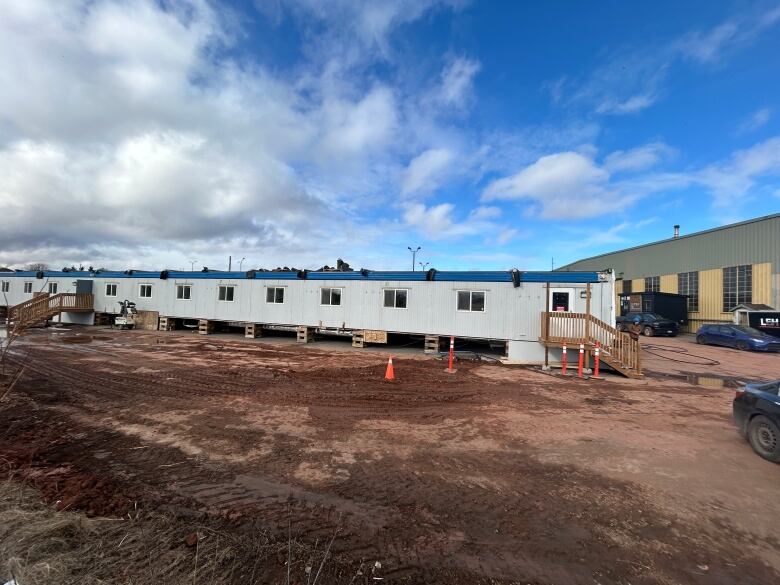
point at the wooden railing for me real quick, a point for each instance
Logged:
(46, 306)
(617, 348)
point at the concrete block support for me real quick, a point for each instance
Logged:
(253, 330)
(167, 324)
(305, 334)
(205, 327)
(358, 339)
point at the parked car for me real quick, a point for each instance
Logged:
(651, 324)
(738, 336)
(756, 410)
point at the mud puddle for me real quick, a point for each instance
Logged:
(713, 381)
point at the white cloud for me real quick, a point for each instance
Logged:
(561, 185)
(633, 79)
(756, 120)
(637, 159)
(731, 181)
(438, 222)
(709, 46)
(425, 172)
(457, 80)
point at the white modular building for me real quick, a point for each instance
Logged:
(504, 306)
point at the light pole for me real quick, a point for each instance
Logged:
(414, 254)
(240, 262)
(192, 265)
(423, 265)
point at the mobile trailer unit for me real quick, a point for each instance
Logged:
(503, 305)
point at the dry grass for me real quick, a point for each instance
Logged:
(41, 546)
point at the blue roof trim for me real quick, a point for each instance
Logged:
(400, 276)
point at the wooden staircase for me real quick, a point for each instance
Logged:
(617, 349)
(43, 307)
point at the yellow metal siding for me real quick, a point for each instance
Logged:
(669, 283)
(762, 283)
(638, 285)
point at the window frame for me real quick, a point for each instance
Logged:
(116, 289)
(53, 288)
(742, 275)
(330, 296)
(471, 300)
(226, 287)
(686, 282)
(395, 298)
(28, 285)
(6, 286)
(652, 284)
(141, 286)
(275, 290)
(180, 287)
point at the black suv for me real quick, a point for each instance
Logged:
(651, 324)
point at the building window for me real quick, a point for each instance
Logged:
(330, 296)
(145, 291)
(183, 292)
(226, 292)
(627, 286)
(395, 298)
(274, 294)
(737, 286)
(6, 286)
(28, 287)
(652, 284)
(471, 300)
(110, 289)
(688, 284)
(52, 288)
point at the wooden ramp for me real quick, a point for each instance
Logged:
(617, 349)
(45, 306)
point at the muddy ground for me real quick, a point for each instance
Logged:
(188, 446)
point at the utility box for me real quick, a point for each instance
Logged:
(668, 305)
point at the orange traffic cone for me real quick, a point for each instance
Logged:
(390, 373)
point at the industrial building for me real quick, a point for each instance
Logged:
(717, 269)
(503, 306)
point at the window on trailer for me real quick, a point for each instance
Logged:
(737, 286)
(395, 298)
(110, 289)
(471, 300)
(52, 288)
(274, 294)
(627, 284)
(6, 286)
(183, 292)
(330, 296)
(226, 292)
(145, 291)
(28, 287)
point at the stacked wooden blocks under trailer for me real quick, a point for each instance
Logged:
(432, 344)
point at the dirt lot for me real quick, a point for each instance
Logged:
(223, 458)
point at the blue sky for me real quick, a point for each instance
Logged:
(291, 132)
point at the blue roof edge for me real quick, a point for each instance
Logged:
(403, 276)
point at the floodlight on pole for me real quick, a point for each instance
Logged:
(240, 263)
(414, 254)
(192, 265)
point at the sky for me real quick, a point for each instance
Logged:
(171, 133)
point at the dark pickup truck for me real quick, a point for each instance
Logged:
(650, 324)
